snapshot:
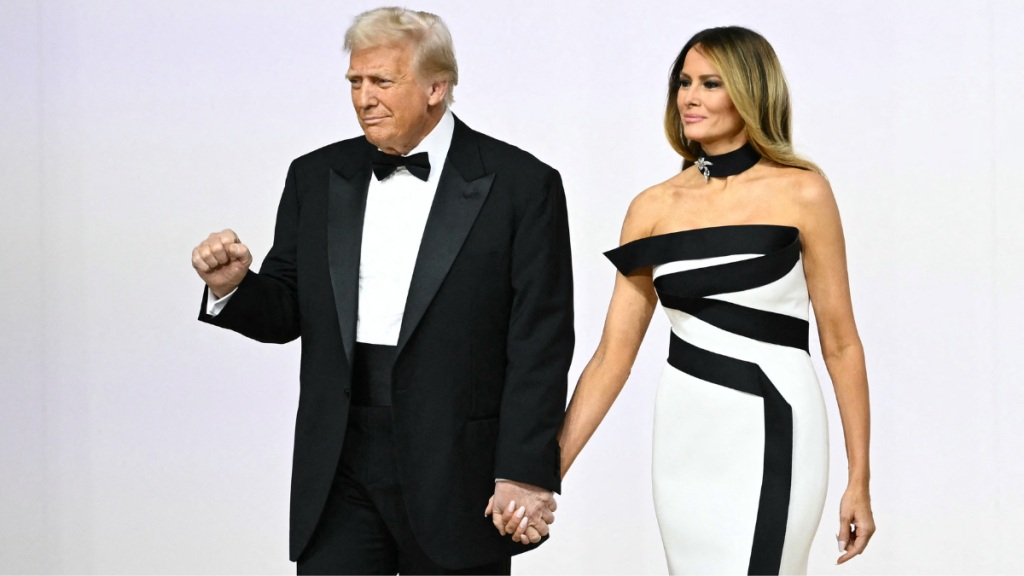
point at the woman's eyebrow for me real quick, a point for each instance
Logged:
(702, 76)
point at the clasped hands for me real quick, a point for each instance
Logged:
(522, 510)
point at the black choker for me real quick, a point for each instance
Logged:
(728, 164)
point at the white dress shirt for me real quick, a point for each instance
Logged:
(396, 213)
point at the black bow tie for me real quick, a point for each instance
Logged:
(384, 165)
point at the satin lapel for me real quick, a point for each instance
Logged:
(346, 206)
(456, 205)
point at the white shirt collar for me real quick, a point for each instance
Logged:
(436, 145)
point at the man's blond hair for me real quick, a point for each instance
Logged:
(434, 56)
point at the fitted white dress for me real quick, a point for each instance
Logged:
(740, 463)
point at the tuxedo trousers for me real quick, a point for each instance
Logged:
(364, 527)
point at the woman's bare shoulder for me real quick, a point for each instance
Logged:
(646, 208)
(810, 202)
(804, 188)
(654, 200)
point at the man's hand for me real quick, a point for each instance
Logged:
(522, 510)
(221, 261)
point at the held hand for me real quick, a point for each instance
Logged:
(221, 261)
(855, 508)
(522, 510)
(530, 536)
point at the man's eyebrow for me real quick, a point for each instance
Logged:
(376, 74)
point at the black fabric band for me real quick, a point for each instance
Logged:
(730, 163)
(703, 243)
(371, 374)
(776, 482)
(759, 325)
(732, 277)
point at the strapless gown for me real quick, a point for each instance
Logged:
(740, 461)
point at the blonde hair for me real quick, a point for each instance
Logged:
(754, 80)
(434, 51)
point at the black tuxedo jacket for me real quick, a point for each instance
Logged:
(479, 382)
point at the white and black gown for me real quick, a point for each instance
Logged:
(740, 461)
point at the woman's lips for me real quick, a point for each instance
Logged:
(690, 118)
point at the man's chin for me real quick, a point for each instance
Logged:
(377, 136)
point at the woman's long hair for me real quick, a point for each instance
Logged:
(754, 80)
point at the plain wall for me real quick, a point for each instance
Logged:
(135, 439)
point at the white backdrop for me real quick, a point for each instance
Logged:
(135, 439)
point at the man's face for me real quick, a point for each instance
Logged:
(390, 99)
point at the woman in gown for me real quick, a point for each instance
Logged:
(735, 247)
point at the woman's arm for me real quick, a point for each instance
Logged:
(629, 315)
(829, 288)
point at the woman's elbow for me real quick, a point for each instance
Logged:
(840, 347)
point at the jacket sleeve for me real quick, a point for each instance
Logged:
(540, 341)
(265, 307)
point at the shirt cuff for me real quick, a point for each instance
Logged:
(215, 305)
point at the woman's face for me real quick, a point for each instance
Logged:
(707, 111)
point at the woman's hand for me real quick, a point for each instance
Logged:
(523, 532)
(855, 509)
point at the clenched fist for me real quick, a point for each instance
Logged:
(221, 261)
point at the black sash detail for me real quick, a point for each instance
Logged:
(371, 374)
(777, 250)
(731, 277)
(773, 508)
(703, 243)
(769, 327)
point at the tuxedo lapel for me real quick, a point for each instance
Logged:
(346, 207)
(461, 193)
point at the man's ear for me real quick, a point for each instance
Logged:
(438, 89)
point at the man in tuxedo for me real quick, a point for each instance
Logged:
(427, 269)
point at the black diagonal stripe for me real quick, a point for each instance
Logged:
(731, 277)
(715, 368)
(702, 243)
(777, 476)
(769, 327)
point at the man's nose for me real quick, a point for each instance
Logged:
(365, 97)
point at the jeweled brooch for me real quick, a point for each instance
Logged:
(702, 165)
